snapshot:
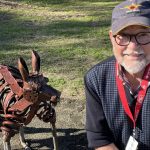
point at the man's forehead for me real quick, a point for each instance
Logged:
(135, 28)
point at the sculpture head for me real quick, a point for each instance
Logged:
(35, 87)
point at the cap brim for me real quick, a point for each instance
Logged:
(121, 24)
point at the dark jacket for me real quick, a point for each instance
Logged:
(106, 120)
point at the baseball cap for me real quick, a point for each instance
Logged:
(130, 12)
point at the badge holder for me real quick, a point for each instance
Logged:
(132, 143)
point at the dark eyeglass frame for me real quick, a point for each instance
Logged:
(130, 37)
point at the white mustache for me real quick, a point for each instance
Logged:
(140, 52)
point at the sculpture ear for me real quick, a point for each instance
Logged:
(23, 69)
(35, 61)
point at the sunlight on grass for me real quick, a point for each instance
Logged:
(70, 36)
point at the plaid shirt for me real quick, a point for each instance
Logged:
(106, 120)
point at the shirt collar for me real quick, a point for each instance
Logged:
(126, 82)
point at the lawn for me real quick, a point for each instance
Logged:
(69, 35)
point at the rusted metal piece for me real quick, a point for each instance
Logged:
(24, 95)
(46, 113)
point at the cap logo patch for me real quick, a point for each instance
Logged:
(132, 8)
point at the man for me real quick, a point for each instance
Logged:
(117, 89)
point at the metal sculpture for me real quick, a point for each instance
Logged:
(22, 96)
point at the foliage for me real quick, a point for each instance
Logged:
(70, 36)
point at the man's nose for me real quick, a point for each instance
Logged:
(133, 43)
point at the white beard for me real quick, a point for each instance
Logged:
(136, 67)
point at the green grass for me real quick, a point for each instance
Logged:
(69, 35)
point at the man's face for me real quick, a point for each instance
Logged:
(133, 57)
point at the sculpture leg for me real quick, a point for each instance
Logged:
(22, 139)
(6, 141)
(6, 145)
(54, 133)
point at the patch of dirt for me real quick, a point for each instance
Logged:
(70, 129)
(8, 3)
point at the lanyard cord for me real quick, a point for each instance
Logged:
(140, 98)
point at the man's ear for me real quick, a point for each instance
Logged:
(111, 37)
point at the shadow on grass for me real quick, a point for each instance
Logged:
(14, 31)
(72, 139)
(21, 34)
(24, 35)
(63, 1)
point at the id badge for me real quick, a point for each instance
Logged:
(132, 144)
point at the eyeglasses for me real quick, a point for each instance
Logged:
(141, 38)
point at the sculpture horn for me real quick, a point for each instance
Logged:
(23, 69)
(35, 62)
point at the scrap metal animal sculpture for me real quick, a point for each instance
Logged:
(22, 96)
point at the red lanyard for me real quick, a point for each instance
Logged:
(141, 94)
